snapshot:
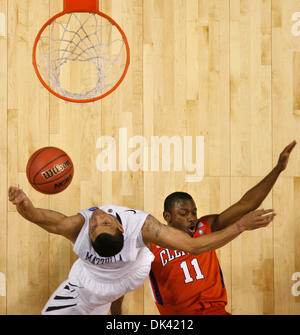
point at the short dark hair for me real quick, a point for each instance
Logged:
(107, 245)
(171, 198)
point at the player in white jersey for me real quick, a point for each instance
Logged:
(112, 244)
(128, 268)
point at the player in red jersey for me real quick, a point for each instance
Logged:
(183, 283)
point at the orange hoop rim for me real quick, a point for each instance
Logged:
(113, 22)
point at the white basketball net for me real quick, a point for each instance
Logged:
(89, 39)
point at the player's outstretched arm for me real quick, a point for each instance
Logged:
(253, 198)
(172, 238)
(52, 221)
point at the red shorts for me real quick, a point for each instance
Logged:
(175, 310)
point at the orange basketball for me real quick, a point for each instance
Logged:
(50, 170)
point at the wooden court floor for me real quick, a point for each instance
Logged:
(225, 71)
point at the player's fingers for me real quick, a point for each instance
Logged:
(266, 219)
(258, 212)
(14, 191)
(265, 216)
(16, 200)
(11, 194)
(261, 212)
(267, 222)
(11, 190)
(267, 211)
(15, 195)
(290, 147)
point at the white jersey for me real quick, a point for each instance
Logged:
(107, 269)
(94, 281)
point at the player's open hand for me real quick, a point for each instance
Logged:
(256, 219)
(284, 156)
(17, 196)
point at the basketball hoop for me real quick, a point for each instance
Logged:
(85, 43)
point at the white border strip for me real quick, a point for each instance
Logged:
(2, 285)
(2, 25)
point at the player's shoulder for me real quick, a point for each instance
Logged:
(154, 248)
(203, 221)
(202, 227)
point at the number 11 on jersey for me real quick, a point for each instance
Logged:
(188, 277)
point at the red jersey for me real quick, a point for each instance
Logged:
(188, 284)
